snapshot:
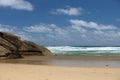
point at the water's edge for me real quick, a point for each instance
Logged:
(69, 61)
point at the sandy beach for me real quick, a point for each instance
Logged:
(60, 68)
(42, 72)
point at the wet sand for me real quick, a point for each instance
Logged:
(70, 61)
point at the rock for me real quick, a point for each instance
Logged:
(13, 56)
(10, 41)
(13, 47)
(3, 50)
(29, 46)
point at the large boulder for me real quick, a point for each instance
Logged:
(13, 47)
(29, 48)
(11, 43)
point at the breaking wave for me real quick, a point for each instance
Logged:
(73, 50)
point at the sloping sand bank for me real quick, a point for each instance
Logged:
(41, 72)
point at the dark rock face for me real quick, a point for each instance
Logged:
(12, 46)
(13, 56)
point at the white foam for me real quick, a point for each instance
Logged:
(61, 49)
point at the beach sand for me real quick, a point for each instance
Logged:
(59, 68)
(42, 72)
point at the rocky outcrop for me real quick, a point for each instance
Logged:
(11, 46)
(31, 47)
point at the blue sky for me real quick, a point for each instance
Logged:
(63, 22)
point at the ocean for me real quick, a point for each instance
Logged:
(84, 51)
(78, 56)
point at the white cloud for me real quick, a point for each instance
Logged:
(92, 25)
(15, 30)
(50, 30)
(17, 4)
(72, 11)
(6, 28)
(23, 35)
(77, 33)
(47, 33)
(41, 28)
(75, 28)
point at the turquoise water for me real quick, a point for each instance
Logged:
(84, 51)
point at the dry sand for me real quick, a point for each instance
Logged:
(47, 72)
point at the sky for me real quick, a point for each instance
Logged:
(63, 22)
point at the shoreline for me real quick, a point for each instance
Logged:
(68, 61)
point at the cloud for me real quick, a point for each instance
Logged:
(49, 30)
(23, 35)
(17, 4)
(92, 25)
(15, 30)
(6, 28)
(78, 32)
(71, 11)
(41, 28)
